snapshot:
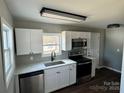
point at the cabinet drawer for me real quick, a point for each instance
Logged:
(53, 71)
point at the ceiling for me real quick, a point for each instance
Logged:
(100, 12)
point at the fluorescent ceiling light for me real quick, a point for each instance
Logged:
(55, 14)
(60, 17)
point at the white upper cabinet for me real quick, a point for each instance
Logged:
(22, 41)
(28, 41)
(66, 41)
(36, 41)
(88, 36)
(67, 37)
(76, 34)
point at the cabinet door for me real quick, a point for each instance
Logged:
(56, 78)
(22, 41)
(51, 80)
(72, 74)
(66, 41)
(36, 41)
(93, 67)
(88, 35)
(63, 77)
(80, 34)
(75, 35)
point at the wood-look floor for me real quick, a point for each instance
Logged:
(106, 81)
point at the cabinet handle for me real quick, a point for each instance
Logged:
(70, 69)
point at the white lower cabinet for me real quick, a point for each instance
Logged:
(59, 77)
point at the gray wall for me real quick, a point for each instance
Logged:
(53, 28)
(113, 41)
(4, 12)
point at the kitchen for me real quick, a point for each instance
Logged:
(55, 55)
(53, 67)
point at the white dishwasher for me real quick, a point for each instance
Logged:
(32, 82)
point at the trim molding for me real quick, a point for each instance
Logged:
(110, 68)
(99, 67)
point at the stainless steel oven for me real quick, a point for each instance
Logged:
(84, 65)
(84, 69)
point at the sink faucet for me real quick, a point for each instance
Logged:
(53, 55)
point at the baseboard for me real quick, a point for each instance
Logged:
(100, 67)
(110, 68)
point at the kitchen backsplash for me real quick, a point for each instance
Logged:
(26, 59)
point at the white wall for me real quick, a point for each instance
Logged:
(113, 42)
(4, 12)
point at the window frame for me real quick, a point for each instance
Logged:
(10, 73)
(5, 50)
(60, 43)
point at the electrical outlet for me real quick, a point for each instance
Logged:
(31, 58)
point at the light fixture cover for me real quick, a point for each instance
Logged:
(113, 25)
(56, 14)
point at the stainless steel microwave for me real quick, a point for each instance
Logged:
(79, 43)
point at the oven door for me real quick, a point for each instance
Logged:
(84, 69)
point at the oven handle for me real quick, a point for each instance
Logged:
(83, 63)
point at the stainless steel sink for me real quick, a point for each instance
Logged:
(54, 63)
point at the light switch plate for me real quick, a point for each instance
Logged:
(118, 50)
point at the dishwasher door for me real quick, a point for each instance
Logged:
(32, 82)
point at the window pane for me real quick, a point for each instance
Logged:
(49, 49)
(50, 39)
(5, 40)
(51, 42)
(7, 61)
(6, 49)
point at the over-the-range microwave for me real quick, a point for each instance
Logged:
(79, 43)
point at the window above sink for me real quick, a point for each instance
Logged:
(51, 42)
